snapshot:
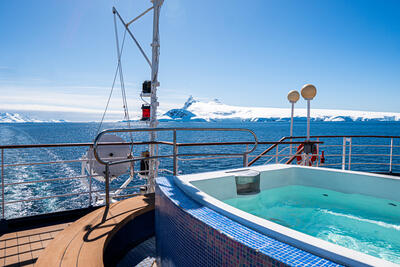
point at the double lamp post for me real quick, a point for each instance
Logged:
(308, 92)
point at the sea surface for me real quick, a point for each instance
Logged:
(49, 133)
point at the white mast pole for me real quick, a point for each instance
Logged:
(293, 97)
(308, 119)
(154, 84)
(291, 126)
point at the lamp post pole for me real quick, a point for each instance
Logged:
(293, 97)
(291, 128)
(291, 119)
(308, 92)
(308, 119)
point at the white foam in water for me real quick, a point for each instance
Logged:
(13, 135)
(380, 223)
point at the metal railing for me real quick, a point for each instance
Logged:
(90, 192)
(356, 154)
(346, 152)
(341, 151)
(174, 155)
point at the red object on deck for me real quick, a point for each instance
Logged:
(313, 156)
(322, 157)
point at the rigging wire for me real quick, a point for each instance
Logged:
(112, 88)
(121, 77)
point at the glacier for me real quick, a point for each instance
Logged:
(8, 117)
(215, 111)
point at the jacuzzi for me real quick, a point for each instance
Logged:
(308, 208)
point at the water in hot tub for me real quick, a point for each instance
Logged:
(363, 223)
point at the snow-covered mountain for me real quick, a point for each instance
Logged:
(194, 110)
(214, 110)
(7, 117)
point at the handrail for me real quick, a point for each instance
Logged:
(280, 142)
(265, 152)
(80, 144)
(146, 143)
(317, 136)
(95, 143)
(236, 143)
(298, 152)
(175, 155)
(355, 136)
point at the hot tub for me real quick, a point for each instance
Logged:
(349, 217)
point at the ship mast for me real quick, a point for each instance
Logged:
(153, 166)
(152, 117)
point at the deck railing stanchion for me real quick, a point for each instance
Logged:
(350, 141)
(83, 173)
(175, 152)
(157, 162)
(107, 178)
(276, 155)
(246, 157)
(344, 154)
(2, 185)
(391, 155)
(90, 185)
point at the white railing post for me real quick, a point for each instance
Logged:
(175, 158)
(344, 154)
(107, 180)
(350, 141)
(2, 185)
(391, 155)
(158, 162)
(246, 157)
(90, 184)
(277, 153)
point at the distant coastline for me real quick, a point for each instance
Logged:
(214, 111)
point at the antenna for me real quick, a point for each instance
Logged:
(153, 163)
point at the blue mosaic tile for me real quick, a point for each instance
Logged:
(190, 234)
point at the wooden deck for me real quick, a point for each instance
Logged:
(22, 248)
(83, 242)
(78, 243)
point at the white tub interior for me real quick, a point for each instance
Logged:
(378, 186)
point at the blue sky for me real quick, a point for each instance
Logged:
(60, 56)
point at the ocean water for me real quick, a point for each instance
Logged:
(42, 133)
(362, 223)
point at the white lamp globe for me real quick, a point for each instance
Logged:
(308, 92)
(293, 96)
